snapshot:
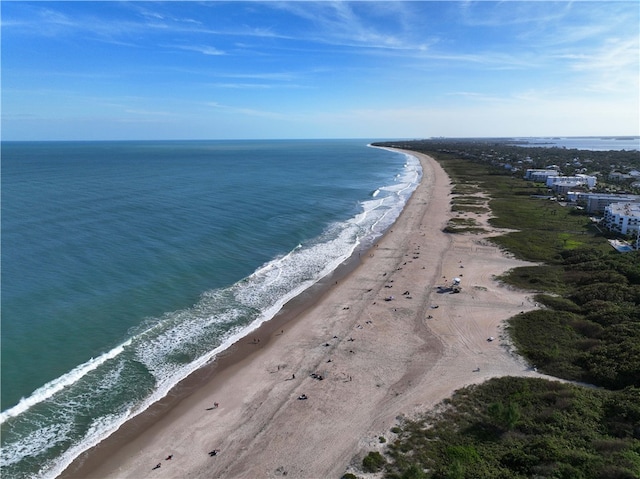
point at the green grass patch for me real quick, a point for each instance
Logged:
(536, 278)
(469, 209)
(463, 222)
(463, 225)
(558, 303)
(522, 428)
(468, 200)
(547, 339)
(544, 228)
(460, 230)
(465, 189)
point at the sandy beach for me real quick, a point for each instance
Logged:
(378, 341)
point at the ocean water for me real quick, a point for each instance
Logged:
(594, 143)
(128, 265)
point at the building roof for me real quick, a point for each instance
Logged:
(625, 209)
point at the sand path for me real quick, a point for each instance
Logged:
(378, 359)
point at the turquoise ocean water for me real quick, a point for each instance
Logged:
(128, 265)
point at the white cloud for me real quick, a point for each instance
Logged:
(204, 49)
(386, 25)
(252, 112)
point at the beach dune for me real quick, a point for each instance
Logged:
(310, 393)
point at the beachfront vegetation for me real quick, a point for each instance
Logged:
(469, 204)
(463, 225)
(591, 331)
(586, 329)
(373, 462)
(542, 228)
(521, 428)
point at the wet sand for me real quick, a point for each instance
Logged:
(378, 358)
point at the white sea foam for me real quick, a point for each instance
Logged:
(268, 296)
(33, 444)
(264, 293)
(45, 392)
(379, 214)
(100, 428)
(182, 331)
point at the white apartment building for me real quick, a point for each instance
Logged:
(597, 202)
(623, 218)
(533, 174)
(564, 187)
(577, 180)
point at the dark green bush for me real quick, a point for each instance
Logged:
(520, 428)
(373, 462)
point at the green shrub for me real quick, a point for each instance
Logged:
(537, 278)
(558, 303)
(544, 429)
(373, 462)
(413, 472)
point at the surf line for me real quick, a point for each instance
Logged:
(52, 387)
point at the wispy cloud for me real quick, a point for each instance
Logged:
(614, 66)
(520, 13)
(275, 76)
(345, 24)
(113, 27)
(161, 16)
(478, 97)
(253, 112)
(152, 113)
(613, 54)
(489, 60)
(243, 86)
(204, 49)
(256, 86)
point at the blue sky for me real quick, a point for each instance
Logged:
(387, 69)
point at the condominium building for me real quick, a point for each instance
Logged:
(577, 180)
(540, 175)
(622, 218)
(597, 202)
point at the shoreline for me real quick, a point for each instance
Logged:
(378, 359)
(225, 359)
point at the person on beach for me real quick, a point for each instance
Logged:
(158, 466)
